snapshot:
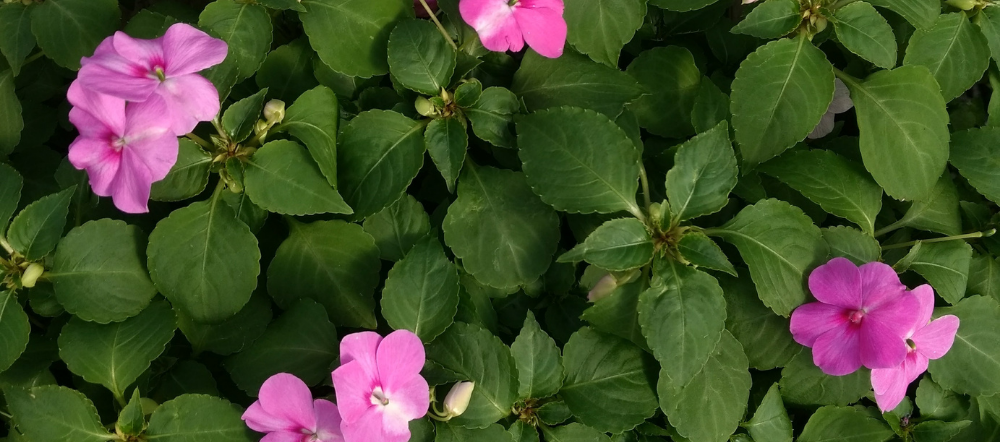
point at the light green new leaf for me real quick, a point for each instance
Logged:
(198, 418)
(352, 36)
(955, 52)
(779, 243)
(617, 245)
(14, 329)
(673, 80)
(704, 173)
(282, 178)
(36, 230)
(332, 262)
(764, 335)
(770, 422)
(939, 212)
(984, 276)
(573, 80)
(302, 341)
(492, 115)
(863, 31)
(54, 413)
(970, 365)
(976, 154)
(99, 272)
(239, 119)
(608, 381)
(10, 194)
(313, 119)
(398, 227)
(853, 244)
(11, 121)
(945, 265)
(579, 161)
(231, 335)
(601, 28)
(421, 291)
(844, 424)
(476, 355)
(419, 56)
(921, 13)
(245, 27)
(188, 176)
(131, 420)
(771, 19)
(115, 355)
(802, 382)
(903, 126)
(379, 155)
(780, 93)
(204, 260)
(503, 233)
(68, 30)
(447, 140)
(838, 185)
(539, 364)
(16, 39)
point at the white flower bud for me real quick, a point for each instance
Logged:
(274, 111)
(604, 287)
(31, 274)
(458, 398)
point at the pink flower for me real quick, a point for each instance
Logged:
(926, 340)
(123, 148)
(165, 68)
(841, 103)
(379, 387)
(286, 411)
(502, 25)
(860, 319)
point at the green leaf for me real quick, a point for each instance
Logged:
(523, 432)
(302, 341)
(332, 262)
(709, 407)
(16, 39)
(976, 154)
(11, 122)
(838, 185)
(853, 244)
(700, 251)
(10, 194)
(579, 161)
(673, 79)
(945, 265)
(683, 315)
(492, 114)
(351, 37)
(802, 382)
(968, 368)
(99, 272)
(601, 28)
(921, 13)
(711, 107)
(770, 422)
(283, 4)
(185, 377)
(455, 433)
(704, 173)
(149, 24)
(475, 354)
(288, 71)
(314, 119)
(204, 260)
(53, 413)
(380, 153)
(939, 212)
(68, 30)
(573, 432)
(115, 355)
(935, 402)
(14, 329)
(844, 424)
(504, 235)
(36, 230)
(984, 276)
(419, 56)
(246, 211)
(421, 291)
(241, 117)
(904, 129)
(937, 431)
(188, 176)
(681, 5)
(131, 420)
(779, 243)
(608, 381)
(954, 51)
(764, 335)
(554, 413)
(198, 418)
(539, 364)
(988, 21)
(780, 93)
(282, 178)
(573, 80)
(245, 27)
(232, 335)
(617, 245)
(863, 31)
(771, 19)
(398, 227)
(447, 140)
(618, 313)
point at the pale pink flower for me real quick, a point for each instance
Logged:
(841, 103)
(379, 387)
(123, 148)
(504, 25)
(286, 411)
(925, 340)
(860, 319)
(164, 68)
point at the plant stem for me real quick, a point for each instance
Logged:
(6, 246)
(438, 23)
(891, 227)
(985, 234)
(201, 141)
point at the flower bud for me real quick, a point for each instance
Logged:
(458, 398)
(31, 274)
(424, 107)
(274, 111)
(603, 288)
(820, 24)
(965, 5)
(260, 126)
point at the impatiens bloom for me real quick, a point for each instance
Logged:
(123, 148)
(861, 318)
(841, 103)
(925, 340)
(161, 69)
(506, 25)
(379, 387)
(287, 412)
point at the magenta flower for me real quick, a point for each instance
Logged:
(165, 68)
(504, 25)
(286, 411)
(123, 148)
(379, 387)
(860, 319)
(925, 340)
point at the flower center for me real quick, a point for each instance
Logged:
(160, 75)
(118, 144)
(856, 316)
(512, 2)
(379, 397)
(911, 345)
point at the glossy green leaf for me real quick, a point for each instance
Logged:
(314, 119)
(350, 36)
(421, 291)
(617, 245)
(68, 30)
(419, 56)
(573, 80)
(241, 117)
(601, 28)
(847, 424)
(14, 329)
(232, 335)
(16, 39)
(700, 251)
(770, 19)
(956, 53)
(188, 176)
(921, 13)
(198, 418)
(704, 173)
(538, 361)
(802, 382)
(853, 244)
(976, 154)
(492, 115)
(945, 265)
(764, 335)
(56, 414)
(36, 230)
(863, 31)
(398, 227)
(246, 27)
(968, 366)
(939, 212)
(770, 422)
(673, 80)
(447, 140)
(281, 177)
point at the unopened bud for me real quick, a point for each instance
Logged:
(260, 126)
(424, 107)
(458, 398)
(31, 274)
(965, 5)
(820, 24)
(274, 111)
(604, 287)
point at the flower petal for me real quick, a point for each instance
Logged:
(838, 282)
(810, 321)
(283, 436)
(156, 154)
(327, 421)
(879, 284)
(411, 400)
(361, 347)
(99, 159)
(890, 386)
(354, 385)
(191, 99)
(916, 365)
(936, 338)
(106, 113)
(841, 98)
(494, 21)
(400, 357)
(896, 315)
(925, 309)
(825, 126)
(880, 346)
(286, 397)
(145, 55)
(836, 351)
(109, 73)
(263, 422)
(187, 50)
(542, 25)
(370, 428)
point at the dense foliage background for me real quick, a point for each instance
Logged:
(476, 198)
